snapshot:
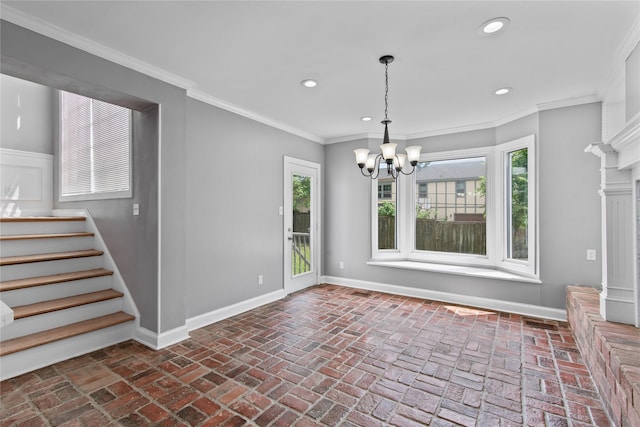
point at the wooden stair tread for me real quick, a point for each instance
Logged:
(63, 303)
(23, 259)
(10, 285)
(46, 236)
(45, 337)
(41, 218)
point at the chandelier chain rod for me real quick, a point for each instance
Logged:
(386, 90)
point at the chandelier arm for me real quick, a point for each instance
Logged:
(394, 173)
(413, 168)
(376, 167)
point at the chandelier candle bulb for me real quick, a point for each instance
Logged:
(388, 150)
(362, 155)
(413, 154)
(399, 160)
(371, 162)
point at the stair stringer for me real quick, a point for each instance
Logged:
(14, 364)
(128, 304)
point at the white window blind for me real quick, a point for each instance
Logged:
(95, 149)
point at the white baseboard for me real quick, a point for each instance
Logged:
(219, 314)
(164, 339)
(480, 302)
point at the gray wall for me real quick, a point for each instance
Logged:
(569, 180)
(234, 231)
(569, 207)
(150, 252)
(26, 122)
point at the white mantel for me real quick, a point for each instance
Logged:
(619, 182)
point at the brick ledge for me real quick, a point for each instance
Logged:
(611, 351)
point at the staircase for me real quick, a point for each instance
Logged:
(65, 302)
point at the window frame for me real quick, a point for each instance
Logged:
(385, 253)
(105, 195)
(495, 208)
(449, 257)
(530, 266)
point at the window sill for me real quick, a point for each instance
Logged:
(485, 273)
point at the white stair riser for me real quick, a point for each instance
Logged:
(44, 246)
(45, 268)
(41, 322)
(14, 228)
(29, 360)
(55, 290)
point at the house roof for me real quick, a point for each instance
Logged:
(451, 171)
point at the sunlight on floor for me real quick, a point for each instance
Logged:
(467, 311)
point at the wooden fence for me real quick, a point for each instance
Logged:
(301, 221)
(386, 232)
(441, 236)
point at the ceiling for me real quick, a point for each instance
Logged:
(250, 57)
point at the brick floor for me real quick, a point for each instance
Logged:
(326, 356)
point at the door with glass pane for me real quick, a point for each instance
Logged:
(301, 181)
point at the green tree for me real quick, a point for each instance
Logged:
(425, 213)
(387, 209)
(301, 192)
(519, 189)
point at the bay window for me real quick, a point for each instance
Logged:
(471, 208)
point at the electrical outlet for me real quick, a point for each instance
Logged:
(591, 254)
(260, 280)
(136, 209)
(341, 265)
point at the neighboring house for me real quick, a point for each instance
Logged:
(451, 191)
(386, 190)
(445, 190)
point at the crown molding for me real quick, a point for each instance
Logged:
(448, 131)
(349, 138)
(572, 102)
(616, 72)
(480, 126)
(42, 27)
(629, 43)
(211, 100)
(364, 136)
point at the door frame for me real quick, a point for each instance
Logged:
(293, 165)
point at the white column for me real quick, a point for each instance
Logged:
(617, 302)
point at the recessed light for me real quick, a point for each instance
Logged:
(503, 91)
(309, 83)
(365, 118)
(493, 26)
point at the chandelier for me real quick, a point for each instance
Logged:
(395, 162)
